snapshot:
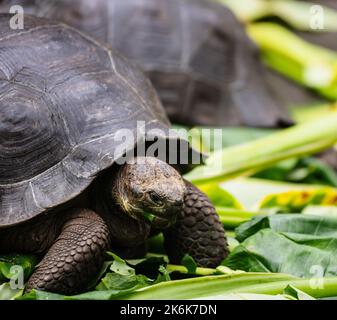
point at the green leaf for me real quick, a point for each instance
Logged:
(41, 295)
(248, 10)
(115, 281)
(306, 225)
(164, 275)
(220, 197)
(297, 244)
(209, 287)
(119, 266)
(232, 218)
(249, 296)
(123, 277)
(249, 158)
(297, 14)
(189, 263)
(305, 170)
(91, 295)
(297, 294)
(304, 113)
(8, 261)
(7, 293)
(250, 191)
(207, 140)
(215, 287)
(310, 65)
(297, 200)
(329, 211)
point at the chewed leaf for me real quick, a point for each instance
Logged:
(297, 200)
(120, 266)
(220, 197)
(122, 277)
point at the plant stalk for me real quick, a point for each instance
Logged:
(303, 139)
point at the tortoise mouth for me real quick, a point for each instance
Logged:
(161, 223)
(158, 222)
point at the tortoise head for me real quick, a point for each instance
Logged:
(150, 189)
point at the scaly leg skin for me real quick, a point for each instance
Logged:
(197, 232)
(76, 256)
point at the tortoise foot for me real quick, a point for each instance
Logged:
(198, 232)
(76, 257)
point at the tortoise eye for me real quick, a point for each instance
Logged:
(155, 198)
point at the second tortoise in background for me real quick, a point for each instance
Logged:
(201, 62)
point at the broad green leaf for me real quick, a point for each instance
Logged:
(311, 227)
(297, 244)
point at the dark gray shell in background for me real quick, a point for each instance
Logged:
(62, 99)
(196, 53)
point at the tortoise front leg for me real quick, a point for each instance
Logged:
(197, 232)
(76, 257)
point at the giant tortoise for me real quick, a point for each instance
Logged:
(65, 101)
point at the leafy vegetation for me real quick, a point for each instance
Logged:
(297, 244)
(277, 201)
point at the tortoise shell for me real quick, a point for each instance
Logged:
(196, 53)
(63, 98)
